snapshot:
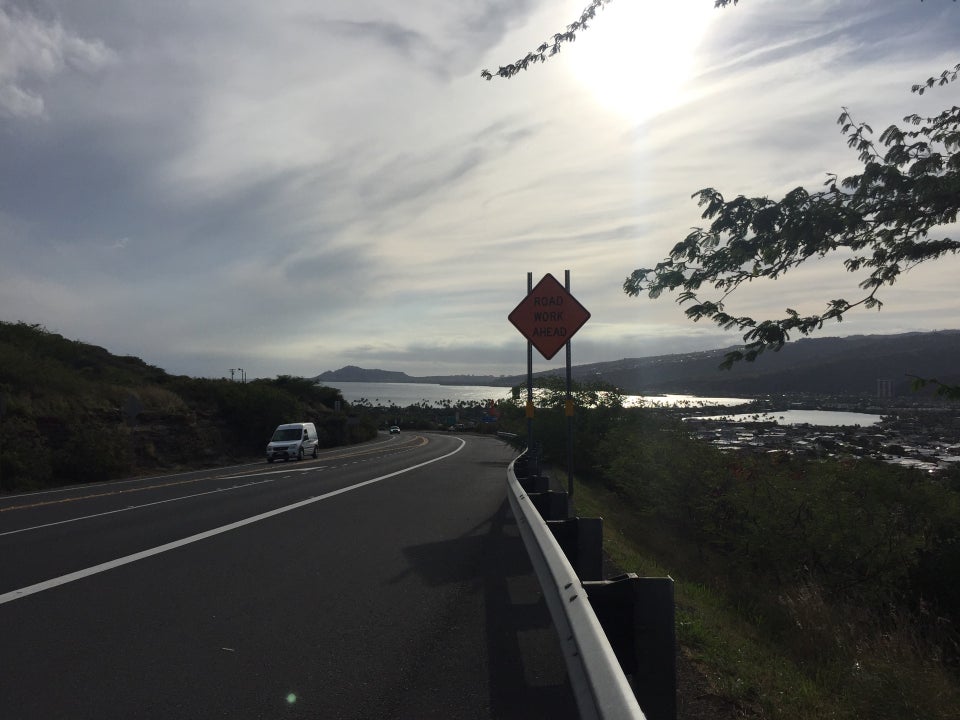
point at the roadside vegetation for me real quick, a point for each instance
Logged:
(805, 588)
(71, 412)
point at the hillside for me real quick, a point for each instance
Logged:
(820, 366)
(352, 373)
(71, 412)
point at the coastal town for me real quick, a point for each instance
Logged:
(923, 433)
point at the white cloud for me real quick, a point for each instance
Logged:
(294, 186)
(32, 52)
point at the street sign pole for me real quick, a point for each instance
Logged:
(568, 407)
(531, 455)
(548, 316)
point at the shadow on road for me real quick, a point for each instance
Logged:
(526, 673)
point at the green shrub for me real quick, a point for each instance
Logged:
(90, 452)
(843, 570)
(847, 567)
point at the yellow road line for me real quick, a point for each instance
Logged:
(104, 494)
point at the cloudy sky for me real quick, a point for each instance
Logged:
(297, 185)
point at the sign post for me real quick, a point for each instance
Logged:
(3, 409)
(548, 317)
(568, 405)
(532, 455)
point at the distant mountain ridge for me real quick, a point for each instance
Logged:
(853, 365)
(352, 373)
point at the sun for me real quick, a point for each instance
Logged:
(638, 56)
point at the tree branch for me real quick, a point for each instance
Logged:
(906, 191)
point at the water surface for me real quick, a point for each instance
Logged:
(822, 418)
(405, 394)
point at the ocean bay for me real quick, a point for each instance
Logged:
(386, 394)
(822, 418)
(404, 394)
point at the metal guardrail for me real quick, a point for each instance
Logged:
(599, 684)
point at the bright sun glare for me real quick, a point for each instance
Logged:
(637, 56)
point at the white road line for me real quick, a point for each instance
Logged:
(111, 564)
(312, 468)
(135, 507)
(112, 483)
(127, 481)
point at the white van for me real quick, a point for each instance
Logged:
(293, 440)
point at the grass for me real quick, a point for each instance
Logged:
(834, 662)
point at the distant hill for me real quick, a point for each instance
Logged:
(825, 366)
(352, 373)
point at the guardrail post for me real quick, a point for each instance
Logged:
(527, 471)
(551, 504)
(521, 467)
(581, 540)
(637, 615)
(535, 484)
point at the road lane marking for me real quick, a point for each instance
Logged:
(136, 507)
(108, 493)
(409, 444)
(419, 441)
(110, 483)
(111, 564)
(312, 468)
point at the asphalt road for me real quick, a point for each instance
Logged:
(385, 580)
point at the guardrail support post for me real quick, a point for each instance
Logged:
(551, 504)
(535, 484)
(581, 540)
(637, 615)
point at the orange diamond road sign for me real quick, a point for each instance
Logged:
(549, 316)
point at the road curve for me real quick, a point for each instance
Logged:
(384, 580)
